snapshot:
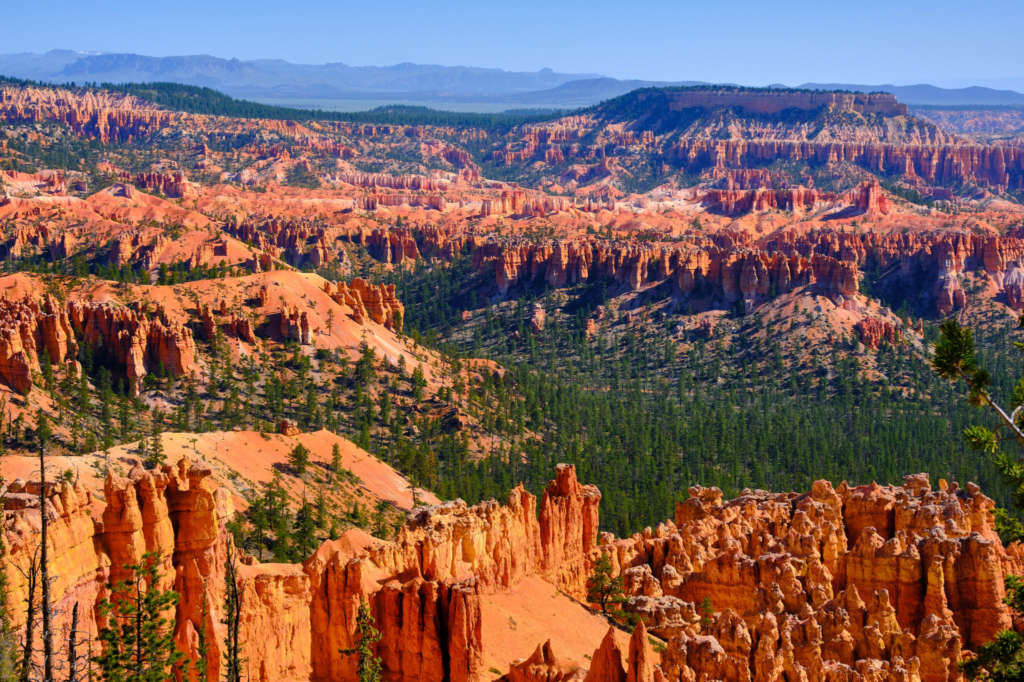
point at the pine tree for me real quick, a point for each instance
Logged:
(232, 618)
(156, 456)
(320, 513)
(358, 515)
(336, 465)
(46, 368)
(74, 662)
(604, 589)
(1001, 660)
(364, 365)
(260, 519)
(202, 664)
(138, 639)
(298, 459)
(380, 518)
(706, 613)
(368, 667)
(304, 531)
(28, 643)
(419, 382)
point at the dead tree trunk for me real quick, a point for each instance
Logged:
(44, 573)
(73, 646)
(30, 619)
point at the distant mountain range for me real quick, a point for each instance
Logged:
(931, 95)
(278, 81)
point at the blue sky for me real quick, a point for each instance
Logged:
(751, 42)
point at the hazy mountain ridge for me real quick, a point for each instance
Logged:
(277, 79)
(266, 77)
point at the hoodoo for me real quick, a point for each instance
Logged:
(821, 584)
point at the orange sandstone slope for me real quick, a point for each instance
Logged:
(866, 583)
(240, 462)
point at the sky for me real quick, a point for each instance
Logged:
(945, 42)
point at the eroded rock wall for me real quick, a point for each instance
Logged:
(849, 583)
(868, 582)
(424, 587)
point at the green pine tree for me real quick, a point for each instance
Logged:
(368, 667)
(380, 519)
(202, 664)
(138, 638)
(336, 466)
(304, 531)
(707, 611)
(156, 457)
(232, 618)
(1001, 660)
(419, 382)
(603, 588)
(298, 459)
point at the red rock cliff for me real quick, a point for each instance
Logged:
(424, 587)
(855, 583)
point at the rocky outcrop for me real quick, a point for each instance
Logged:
(176, 513)
(174, 185)
(948, 293)
(710, 275)
(140, 339)
(404, 182)
(136, 339)
(872, 331)
(871, 199)
(300, 241)
(934, 165)
(137, 247)
(30, 331)
(392, 246)
(774, 101)
(424, 587)
(365, 301)
(921, 154)
(104, 115)
(606, 664)
(375, 200)
(294, 325)
(1013, 287)
(740, 201)
(868, 198)
(544, 666)
(237, 325)
(730, 267)
(850, 583)
(831, 584)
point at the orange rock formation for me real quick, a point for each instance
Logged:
(853, 583)
(138, 340)
(424, 587)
